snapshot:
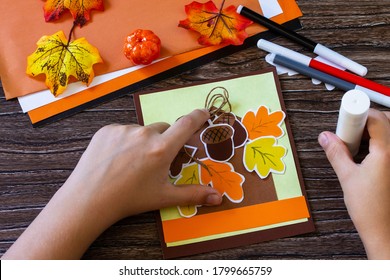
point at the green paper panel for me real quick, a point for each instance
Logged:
(245, 93)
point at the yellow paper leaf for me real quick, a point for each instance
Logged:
(58, 59)
(189, 175)
(263, 155)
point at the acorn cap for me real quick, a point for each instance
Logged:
(217, 133)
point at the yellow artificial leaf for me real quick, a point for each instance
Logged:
(189, 175)
(58, 59)
(263, 155)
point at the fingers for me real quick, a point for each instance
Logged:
(378, 126)
(160, 127)
(183, 195)
(337, 153)
(179, 133)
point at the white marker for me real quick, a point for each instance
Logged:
(352, 119)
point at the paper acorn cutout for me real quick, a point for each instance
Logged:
(218, 142)
(184, 156)
(240, 134)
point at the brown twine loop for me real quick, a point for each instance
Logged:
(213, 99)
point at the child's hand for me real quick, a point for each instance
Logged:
(366, 186)
(125, 168)
(124, 171)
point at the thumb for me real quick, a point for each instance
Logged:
(182, 195)
(337, 153)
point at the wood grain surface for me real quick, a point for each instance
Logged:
(35, 162)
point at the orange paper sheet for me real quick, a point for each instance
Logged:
(23, 24)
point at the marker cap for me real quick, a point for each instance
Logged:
(276, 49)
(340, 60)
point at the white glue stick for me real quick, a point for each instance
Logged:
(352, 118)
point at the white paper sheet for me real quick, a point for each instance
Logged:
(35, 100)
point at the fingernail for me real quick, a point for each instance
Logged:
(323, 139)
(213, 199)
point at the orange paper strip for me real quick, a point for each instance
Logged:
(235, 219)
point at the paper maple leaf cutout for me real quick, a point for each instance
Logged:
(263, 123)
(79, 9)
(59, 59)
(222, 177)
(216, 26)
(189, 175)
(264, 156)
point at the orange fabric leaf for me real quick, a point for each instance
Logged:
(223, 178)
(216, 26)
(79, 9)
(58, 59)
(263, 123)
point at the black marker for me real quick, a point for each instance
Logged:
(307, 43)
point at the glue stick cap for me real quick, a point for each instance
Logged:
(352, 118)
(355, 103)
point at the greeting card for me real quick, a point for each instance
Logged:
(245, 151)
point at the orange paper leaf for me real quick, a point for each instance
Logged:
(58, 59)
(216, 26)
(79, 9)
(263, 123)
(223, 178)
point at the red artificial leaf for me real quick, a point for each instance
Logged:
(216, 26)
(79, 9)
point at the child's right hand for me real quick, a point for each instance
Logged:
(366, 186)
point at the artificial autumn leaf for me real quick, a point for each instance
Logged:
(222, 177)
(58, 59)
(79, 9)
(264, 156)
(263, 123)
(189, 175)
(216, 26)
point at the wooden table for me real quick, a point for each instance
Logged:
(35, 162)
